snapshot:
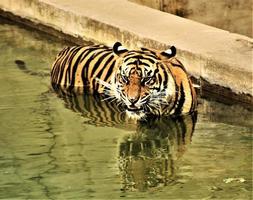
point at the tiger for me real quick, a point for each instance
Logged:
(144, 81)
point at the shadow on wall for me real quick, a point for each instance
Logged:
(234, 16)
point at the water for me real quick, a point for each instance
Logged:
(61, 146)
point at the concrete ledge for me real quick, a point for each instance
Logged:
(219, 57)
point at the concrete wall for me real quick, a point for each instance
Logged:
(221, 58)
(234, 16)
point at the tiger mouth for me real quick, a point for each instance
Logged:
(134, 109)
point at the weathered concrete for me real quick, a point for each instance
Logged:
(234, 16)
(218, 56)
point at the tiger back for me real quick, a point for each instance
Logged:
(78, 66)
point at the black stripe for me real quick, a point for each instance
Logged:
(181, 100)
(131, 57)
(78, 61)
(160, 81)
(165, 77)
(84, 72)
(75, 66)
(132, 63)
(144, 53)
(92, 49)
(63, 51)
(55, 73)
(94, 83)
(63, 65)
(139, 57)
(107, 71)
(59, 59)
(176, 95)
(149, 59)
(106, 64)
(165, 81)
(98, 53)
(56, 63)
(180, 65)
(70, 64)
(145, 64)
(95, 67)
(86, 66)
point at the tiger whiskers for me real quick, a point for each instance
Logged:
(113, 99)
(119, 103)
(112, 92)
(108, 89)
(122, 112)
(108, 98)
(107, 85)
(159, 98)
(155, 106)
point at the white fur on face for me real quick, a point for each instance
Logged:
(134, 115)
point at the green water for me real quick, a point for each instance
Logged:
(56, 146)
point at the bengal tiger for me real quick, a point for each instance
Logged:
(145, 81)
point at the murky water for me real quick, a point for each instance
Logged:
(61, 146)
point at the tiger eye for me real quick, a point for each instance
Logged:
(152, 81)
(122, 78)
(149, 80)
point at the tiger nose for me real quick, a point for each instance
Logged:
(133, 100)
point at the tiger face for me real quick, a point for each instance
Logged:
(141, 82)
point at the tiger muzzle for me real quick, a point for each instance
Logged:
(133, 92)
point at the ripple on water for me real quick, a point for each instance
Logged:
(61, 148)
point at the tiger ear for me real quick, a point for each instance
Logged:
(118, 49)
(171, 52)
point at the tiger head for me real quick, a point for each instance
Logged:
(142, 82)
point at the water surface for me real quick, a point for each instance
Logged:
(61, 146)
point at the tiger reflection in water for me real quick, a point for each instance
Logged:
(147, 157)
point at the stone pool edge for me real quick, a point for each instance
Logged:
(218, 79)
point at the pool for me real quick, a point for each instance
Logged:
(59, 146)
